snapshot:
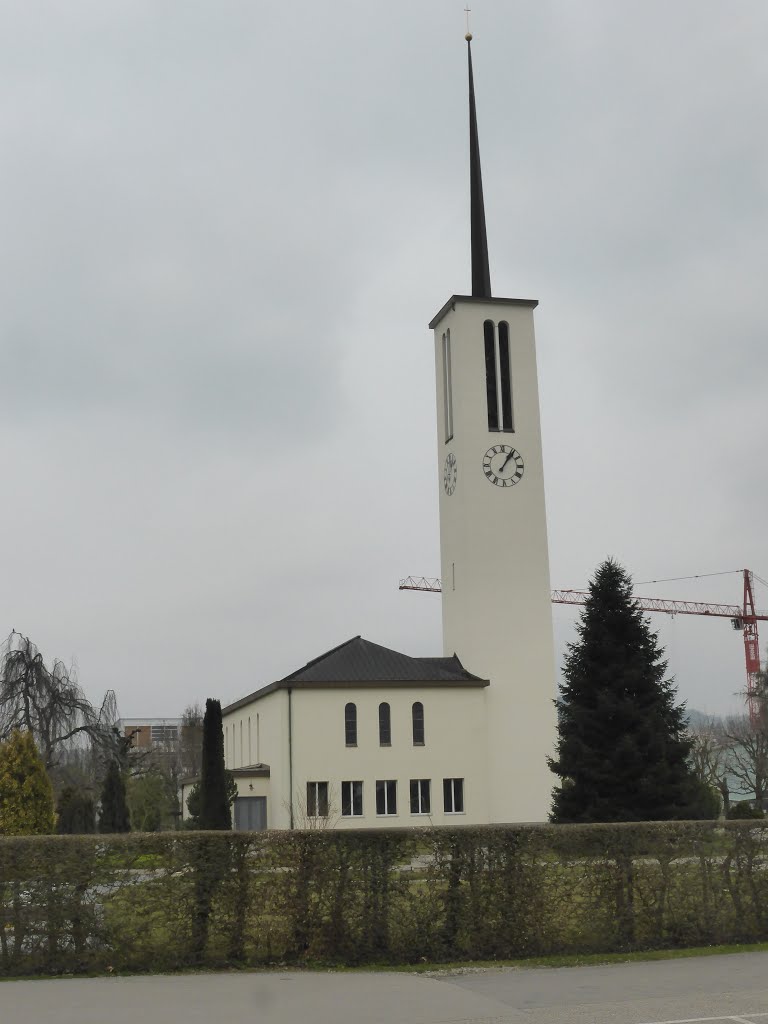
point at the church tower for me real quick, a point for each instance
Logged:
(497, 614)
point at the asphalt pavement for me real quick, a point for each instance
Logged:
(715, 989)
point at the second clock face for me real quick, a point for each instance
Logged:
(449, 473)
(503, 466)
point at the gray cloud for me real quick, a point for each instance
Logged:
(225, 228)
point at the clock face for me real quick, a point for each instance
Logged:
(449, 473)
(503, 465)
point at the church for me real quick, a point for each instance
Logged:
(364, 736)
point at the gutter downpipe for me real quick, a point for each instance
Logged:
(290, 756)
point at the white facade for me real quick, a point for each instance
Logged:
(308, 745)
(495, 568)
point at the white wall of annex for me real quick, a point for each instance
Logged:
(455, 747)
(266, 722)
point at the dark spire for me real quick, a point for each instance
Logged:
(481, 274)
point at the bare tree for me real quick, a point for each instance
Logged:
(191, 740)
(49, 703)
(747, 756)
(708, 758)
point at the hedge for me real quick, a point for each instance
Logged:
(168, 900)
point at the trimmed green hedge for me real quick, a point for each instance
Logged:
(175, 899)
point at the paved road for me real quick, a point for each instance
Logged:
(714, 989)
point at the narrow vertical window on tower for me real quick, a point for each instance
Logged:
(350, 725)
(491, 386)
(447, 385)
(505, 379)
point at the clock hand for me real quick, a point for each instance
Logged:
(504, 465)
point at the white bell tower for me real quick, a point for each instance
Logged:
(497, 614)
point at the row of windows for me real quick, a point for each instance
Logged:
(420, 794)
(498, 379)
(385, 724)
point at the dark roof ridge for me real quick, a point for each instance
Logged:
(321, 657)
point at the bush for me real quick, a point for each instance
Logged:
(166, 900)
(744, 810)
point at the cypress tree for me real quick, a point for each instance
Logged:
(114, 816)
(76, 814)
(26, 795)
(214, 798)
(622, 750)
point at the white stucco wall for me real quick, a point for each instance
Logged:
(497, 612)
(268, 719)
(454, 730)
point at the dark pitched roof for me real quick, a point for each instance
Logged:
(359, 662)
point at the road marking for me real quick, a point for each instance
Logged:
(703, 1020)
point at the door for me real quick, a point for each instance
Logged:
(250, 813)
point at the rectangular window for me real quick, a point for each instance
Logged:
(447, 385)
(489, 334)
(453, 796)
(505, 380)
(420, 803)
(386, 797)
(351, 799)
(317, 799)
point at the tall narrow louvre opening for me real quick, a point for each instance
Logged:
(507, 418)
(489, 334)
(447, 385)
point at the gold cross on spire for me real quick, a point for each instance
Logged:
(467, 11)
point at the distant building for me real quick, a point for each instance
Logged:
(152, 733)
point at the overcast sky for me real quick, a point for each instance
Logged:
(225, 226)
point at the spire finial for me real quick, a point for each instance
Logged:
(481, 274)
(468, 36)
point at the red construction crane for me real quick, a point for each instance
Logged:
(743, 617)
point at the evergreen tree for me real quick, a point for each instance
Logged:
(214, 798)
(26, 795)
(622, 750)
(75, 812)
(114, 816)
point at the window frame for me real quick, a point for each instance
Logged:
(388, 789)
(319, 791)
(385, 724)
(350, 724)
(450, 786)
(421, 785)
(352, 796)
(417, 723)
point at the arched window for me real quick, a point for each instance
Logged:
(350, 725)
(417, 714)
(385, 726)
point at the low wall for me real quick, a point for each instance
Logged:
(168, 900)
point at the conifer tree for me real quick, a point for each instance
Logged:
(114, 816)
(622, 750)
(26, 795)
(75, 812)
(214, 797)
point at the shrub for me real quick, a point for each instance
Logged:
(165, 900)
